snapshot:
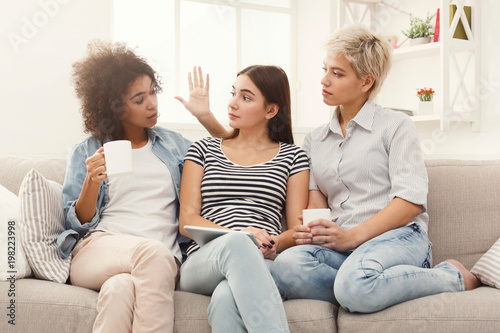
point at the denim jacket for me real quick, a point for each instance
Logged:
(169, 146)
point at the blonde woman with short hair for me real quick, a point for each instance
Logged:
(367, 167)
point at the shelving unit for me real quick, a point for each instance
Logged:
(460, 101)
(416, 51)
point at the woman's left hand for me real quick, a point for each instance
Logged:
(268, 245)
(270, 252)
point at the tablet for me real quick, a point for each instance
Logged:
(203, 235)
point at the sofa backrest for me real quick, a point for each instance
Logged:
(464, 208)
(13, 170)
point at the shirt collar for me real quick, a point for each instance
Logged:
(153, 135)
(364, 118)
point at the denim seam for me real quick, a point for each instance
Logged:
(411, 234)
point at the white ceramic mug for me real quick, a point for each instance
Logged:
(118, 156)
(309, 215)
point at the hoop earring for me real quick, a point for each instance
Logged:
(155, 124)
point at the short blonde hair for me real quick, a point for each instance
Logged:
(367, 52)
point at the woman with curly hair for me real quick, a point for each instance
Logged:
(122, 232)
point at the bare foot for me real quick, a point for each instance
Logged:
(470, 280)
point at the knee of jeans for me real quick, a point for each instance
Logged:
(287, 271)
(235, 242)
(354, 290)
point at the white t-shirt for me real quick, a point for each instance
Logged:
(143, 204)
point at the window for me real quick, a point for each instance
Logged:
(222, 36)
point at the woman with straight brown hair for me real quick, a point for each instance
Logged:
(243, 181)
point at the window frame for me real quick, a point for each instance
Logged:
(239, 5)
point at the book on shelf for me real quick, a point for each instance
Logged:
(436, 28)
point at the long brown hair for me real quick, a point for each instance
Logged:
(272, 82)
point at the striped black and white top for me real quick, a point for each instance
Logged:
(236, 196)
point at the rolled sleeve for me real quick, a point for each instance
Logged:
(66, 242)
(74, 223)
(407, 170)
(306, 146)
(72, 187)
(73, 183)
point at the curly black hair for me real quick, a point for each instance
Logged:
(101, 81)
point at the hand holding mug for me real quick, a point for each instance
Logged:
(96, 166)
(309, 215)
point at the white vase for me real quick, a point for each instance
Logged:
(420, 40)
(425, 108)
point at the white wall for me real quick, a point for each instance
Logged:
(40, 114)
(40, 39)
(460, 142)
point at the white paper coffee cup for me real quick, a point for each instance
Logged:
(118, 156)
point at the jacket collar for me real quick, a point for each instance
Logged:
(153, 135)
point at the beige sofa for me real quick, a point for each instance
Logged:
(464, 209)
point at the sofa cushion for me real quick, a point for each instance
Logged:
(307, 315)
(487, 269)
(463, 207)
(191, 312)
(14, 169)
(12, 258)
(469, 311)
(303, 315)
(42, 221)
(44, 306)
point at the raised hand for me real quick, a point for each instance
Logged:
(198, 103)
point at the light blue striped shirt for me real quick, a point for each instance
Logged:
(379, 159)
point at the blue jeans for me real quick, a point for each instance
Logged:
(244, 296)
(386, 270)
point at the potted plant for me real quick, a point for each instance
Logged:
(425, 104)
(420, 30)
